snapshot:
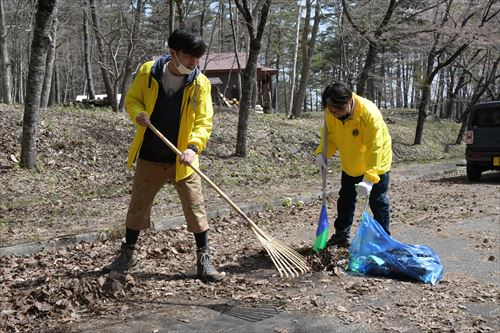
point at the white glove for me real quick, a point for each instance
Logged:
(321, 161)
(364, 188)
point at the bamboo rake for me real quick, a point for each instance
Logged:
(288, 261)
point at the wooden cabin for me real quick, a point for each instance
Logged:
(224, 67)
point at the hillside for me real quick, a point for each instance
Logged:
(82, 183)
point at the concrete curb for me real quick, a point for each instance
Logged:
(164, 224)
(408, 172)
(178, 221)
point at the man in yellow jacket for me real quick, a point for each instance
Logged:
(174, 96)
(356, 129)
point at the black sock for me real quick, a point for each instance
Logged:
(131, 236)
(201, 239)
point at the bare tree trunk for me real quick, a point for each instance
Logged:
(5, 65)
(439, 95)
(41, 41)
(235, 49)
(180, 12)
(449, 93)
(406, 84)
(126, 73)
(202, 16)
(294, 63)
(221, 25)
(255, 92)
(307, 53)
(251, 67)
(49, 66)
(87, 47)
(310, 99)
(267, 94)
(54, 97)
(380, 87)
(171, 17)
(342, 48)
(389, 89)
(422, 111)
(210, 43)
(373, 39)
(364, 84)
(275, 94)
(416, 77)
(20, 84)
(285, 99)
(399, 81)
(110, 91)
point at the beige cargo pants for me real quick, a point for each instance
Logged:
(149, 179)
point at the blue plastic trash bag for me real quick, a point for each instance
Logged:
(374, 252)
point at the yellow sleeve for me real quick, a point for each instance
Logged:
(374, 139)
(202, 127)
(134, 102)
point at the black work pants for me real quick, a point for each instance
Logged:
(346, 203)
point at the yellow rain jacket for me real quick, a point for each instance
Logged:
(363, 141)
(196, 114)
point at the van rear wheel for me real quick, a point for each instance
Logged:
(473, 172)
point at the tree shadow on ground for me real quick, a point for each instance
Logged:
(258, 264)
(402, 143)
(248, 263)
(255, 264)
(157, 276)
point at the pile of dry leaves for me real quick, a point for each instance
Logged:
(63, 287)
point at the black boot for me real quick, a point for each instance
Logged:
(341, 241)
(206, 270)
(124, 261)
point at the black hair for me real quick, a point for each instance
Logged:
(337, 94)
(188, 41)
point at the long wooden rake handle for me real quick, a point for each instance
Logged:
(287, 261)
(202, 175)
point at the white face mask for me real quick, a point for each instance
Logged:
(181, 68)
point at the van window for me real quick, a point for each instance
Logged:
(486, 118)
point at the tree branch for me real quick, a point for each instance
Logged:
(450, 59)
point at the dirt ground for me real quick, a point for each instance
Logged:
(63, 290)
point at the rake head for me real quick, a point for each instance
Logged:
(288, 261)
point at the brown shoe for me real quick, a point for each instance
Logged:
(206, 269)
(124, 261)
